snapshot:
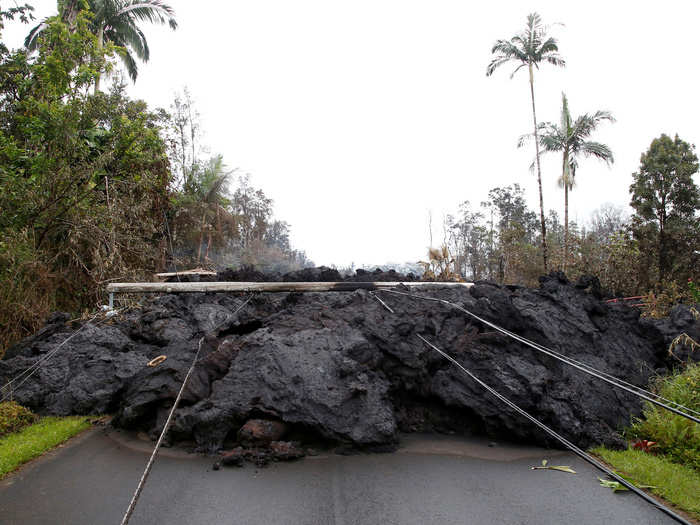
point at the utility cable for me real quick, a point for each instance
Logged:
(9, 388)
(151, 460)
(648, 396)
(576, 450)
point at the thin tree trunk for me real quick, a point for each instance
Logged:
(206, 255)
(565, 180)
(539, 172)
(71, 8)
(100, 45)
(566, 225)
(662, 239)
(201, 238)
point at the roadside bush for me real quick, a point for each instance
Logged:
(14, 417)
(675, 436)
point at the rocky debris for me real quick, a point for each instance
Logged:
(319, 274)
(286, 450)
(233, 458)
(261, 455)
(261, 431)
(339, 369)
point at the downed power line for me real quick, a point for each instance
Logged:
(587, 369)
(576, 450)
(166, 426)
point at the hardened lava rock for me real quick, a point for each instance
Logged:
(340, 368)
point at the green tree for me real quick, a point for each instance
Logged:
(116, 22)
(666, 201)
(83, 180)
(570, 138)
(529, 48)
(23, 12)
(211, 193)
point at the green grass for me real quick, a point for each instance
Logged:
(677, 484)
(34, 440)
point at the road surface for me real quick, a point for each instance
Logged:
(430, 480)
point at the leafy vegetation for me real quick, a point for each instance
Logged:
(14, 417)
(665, 451)
(115, 22)
(666, 203)
(676, 437)
(676, 483)
(34, 440)
(500, 239)
(87, 185)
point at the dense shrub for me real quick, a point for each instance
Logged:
(676, 437)
(14, 417)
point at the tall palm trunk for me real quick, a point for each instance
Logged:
(539, 172)
(565, 174)
(566, 226)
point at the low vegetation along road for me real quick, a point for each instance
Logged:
(430, 480)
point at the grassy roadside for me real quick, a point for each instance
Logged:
(671, 461)
(34, 440)
(678, 484)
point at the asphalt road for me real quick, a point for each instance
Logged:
(430, 480)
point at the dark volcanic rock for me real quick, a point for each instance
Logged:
(340, 368)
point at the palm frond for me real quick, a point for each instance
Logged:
(130, 64)
(128, 35)
(518, 69)
(529, 47)
(603, 115)
(555, 60)
(598, 150)
(565, 119)
(31, 42)
(507, 52)
(549, 46)
(153, 11)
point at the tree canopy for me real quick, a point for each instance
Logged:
(666, 201)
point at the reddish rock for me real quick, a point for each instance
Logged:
(233, 458)
(286, 450)
(261, 431)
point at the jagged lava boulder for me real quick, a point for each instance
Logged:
(340, 367)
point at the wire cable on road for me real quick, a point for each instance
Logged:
(10, 387)
(151, 460)
(612, 380)
(583, 455)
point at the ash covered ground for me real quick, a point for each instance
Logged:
(338, 369)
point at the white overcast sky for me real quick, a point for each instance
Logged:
(359, 117)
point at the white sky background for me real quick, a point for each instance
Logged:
(359, 117)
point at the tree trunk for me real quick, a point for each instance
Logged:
(69, 14)
(565, 180)
(539, 172)
(201, 238)
(206, 254)
(100, 45)
(662, 239)
(566, 225)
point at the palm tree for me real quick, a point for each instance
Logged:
(570, 138)
(209, 191)
(529, 49)
(116, 22)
